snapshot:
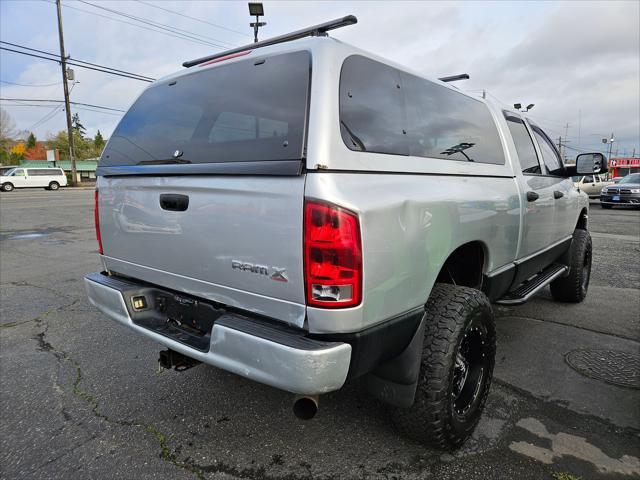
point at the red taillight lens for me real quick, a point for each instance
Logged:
(96, 214)
(333, 256)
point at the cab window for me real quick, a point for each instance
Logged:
(18, 172)
(527, 155)
(550, 155)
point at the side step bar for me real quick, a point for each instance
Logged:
(530, 287)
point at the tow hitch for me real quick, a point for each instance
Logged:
(169, 359)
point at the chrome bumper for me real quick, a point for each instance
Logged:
(303, 367)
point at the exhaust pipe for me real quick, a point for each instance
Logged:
(305, 407)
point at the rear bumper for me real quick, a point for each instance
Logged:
(281, 357)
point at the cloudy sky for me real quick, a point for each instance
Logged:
(578, 62)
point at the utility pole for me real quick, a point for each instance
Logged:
(560, 146)
(67, 106)
(611, 140)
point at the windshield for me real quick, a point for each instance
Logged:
(631, 178)
(8, 172)
(246, 111)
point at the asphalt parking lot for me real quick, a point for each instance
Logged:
(81, 397)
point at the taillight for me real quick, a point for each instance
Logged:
(96, 214)
(332, 255)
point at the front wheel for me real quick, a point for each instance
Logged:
(7, 187)
(573, 288)
(54, 186)
(456, 368)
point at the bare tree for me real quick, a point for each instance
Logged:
(7, 129)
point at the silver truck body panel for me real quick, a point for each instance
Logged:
(410, 224)
(252, 220)
(305, 372)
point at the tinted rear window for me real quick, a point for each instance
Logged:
(34, 172)
(385, 110)
(245, 111)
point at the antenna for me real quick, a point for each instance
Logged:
(455, 78)
(314, 31)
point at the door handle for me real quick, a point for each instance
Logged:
(558, 194)
(174, 202)
(532, 196)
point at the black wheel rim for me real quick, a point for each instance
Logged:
(586, 271)
(471, 367)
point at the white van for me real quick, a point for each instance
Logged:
(47, 178)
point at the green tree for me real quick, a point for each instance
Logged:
(98, 142)
(77, 125)
(84, 148)
(31, 141)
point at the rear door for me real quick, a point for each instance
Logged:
(37, 177)
(565, 198)
(536, 190)
(201, 190)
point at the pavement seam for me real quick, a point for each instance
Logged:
(592, 330)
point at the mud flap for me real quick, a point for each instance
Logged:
(395, 381)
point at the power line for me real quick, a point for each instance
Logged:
(159, 25)
(57, 60)
(55, 55)
(129, 23)
(46, 118)
(31, 84)
(194, 18)
(55, 101)
(51, 114)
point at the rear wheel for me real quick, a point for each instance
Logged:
(7, 187)
(54, 186)
(573, 288)
(456, 368)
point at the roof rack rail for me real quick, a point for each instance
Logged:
(314, 31)
(455, 78)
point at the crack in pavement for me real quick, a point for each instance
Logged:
(22, 283)
(40, 317)
(555, 322)
(62, 356)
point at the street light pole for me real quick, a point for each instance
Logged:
(67, 106)
(256, 10)
(611, 140)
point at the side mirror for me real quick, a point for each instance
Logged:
(591, 163)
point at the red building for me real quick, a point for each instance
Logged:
(619, 167)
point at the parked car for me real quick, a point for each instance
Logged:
(591, 184)
(625, 192)
(303, 213)
(47, 178)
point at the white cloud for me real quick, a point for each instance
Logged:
(566, 57)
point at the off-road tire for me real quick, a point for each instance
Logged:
(452, 313)
(573, 288)
(7, 187)
(604, 205)
(54, 186)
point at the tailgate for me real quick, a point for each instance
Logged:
(238, 242)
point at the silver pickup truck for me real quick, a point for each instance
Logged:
(303, 213)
